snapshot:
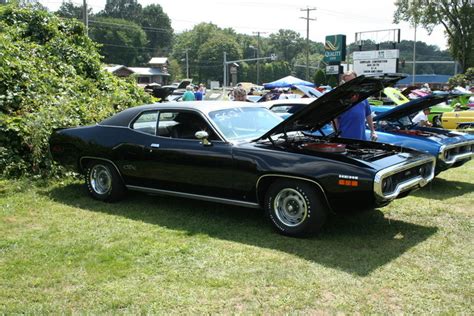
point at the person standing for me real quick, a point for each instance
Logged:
(197, 93)
(202, 88)
(239, 94)
(352, 123)
(188, 95)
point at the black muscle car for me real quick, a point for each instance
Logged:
(243, 154)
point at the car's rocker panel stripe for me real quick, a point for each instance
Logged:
(194, 196)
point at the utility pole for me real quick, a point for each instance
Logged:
(224, 81)
(85, 17)
(307, 18)
(414, 58)
(258, 55)
(187, 63)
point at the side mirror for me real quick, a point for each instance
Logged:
(203, 137)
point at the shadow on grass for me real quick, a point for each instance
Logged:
(356, 244)
(441, 189)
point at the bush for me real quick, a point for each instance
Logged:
(51, 76)
(462, 80)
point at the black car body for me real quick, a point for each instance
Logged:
(245, 155)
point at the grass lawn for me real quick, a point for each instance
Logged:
(62, 252)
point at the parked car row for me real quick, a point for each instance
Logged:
(296, 168)
(455, 112)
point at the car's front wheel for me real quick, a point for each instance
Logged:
(104, 182)
(295, 208)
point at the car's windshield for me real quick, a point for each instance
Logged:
(244, 123)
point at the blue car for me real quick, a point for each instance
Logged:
(394, 126)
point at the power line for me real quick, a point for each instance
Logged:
(147, 29)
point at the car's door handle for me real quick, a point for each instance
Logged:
(155, 145)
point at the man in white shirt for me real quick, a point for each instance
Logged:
(422, 118)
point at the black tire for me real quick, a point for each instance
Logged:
(295, 208)
(437, 121)
(104, 182)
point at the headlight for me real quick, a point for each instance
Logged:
(387, 185)
(441, 153)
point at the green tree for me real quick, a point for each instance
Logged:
(123, 42)
(211, 56)
(174, 70)
(192, 41)
(287, 44)
(129, 10)
(300, 63)
(157, 26)
(332, 80)
(69, 10)
(51, 76)
(462, 79)
(320, 78)
(456, 16)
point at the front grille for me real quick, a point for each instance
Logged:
(451, 154)
(390, 183)
(406, 176)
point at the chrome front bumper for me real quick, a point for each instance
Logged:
(415, 182)
(449, 156)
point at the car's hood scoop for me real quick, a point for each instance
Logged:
(332, 104)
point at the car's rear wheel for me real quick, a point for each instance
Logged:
(295, 208)
(103, 182)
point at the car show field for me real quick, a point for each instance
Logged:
(62, 252)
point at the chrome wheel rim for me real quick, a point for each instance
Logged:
(100, 179)
(290, 207)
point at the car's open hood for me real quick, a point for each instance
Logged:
(412, 107)
(396, 96)
(324, 109)
(309, 92)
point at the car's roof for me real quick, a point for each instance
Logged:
(123, 118)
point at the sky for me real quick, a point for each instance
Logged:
(265, 16)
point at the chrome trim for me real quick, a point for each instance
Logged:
(292, 177)
(194, 196)
(418, 181)
(455, 158)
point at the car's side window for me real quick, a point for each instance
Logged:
(183, 125)
(146, 122)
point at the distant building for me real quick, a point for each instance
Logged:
(156, 73)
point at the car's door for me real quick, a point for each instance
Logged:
(173, 159)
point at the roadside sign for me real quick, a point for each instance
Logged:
(376, 54)
(376, 61)
(335, 48)
(332, 70)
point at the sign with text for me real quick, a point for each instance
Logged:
(375, 66)
(335, 48)
(332, 70)
(376, 54)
